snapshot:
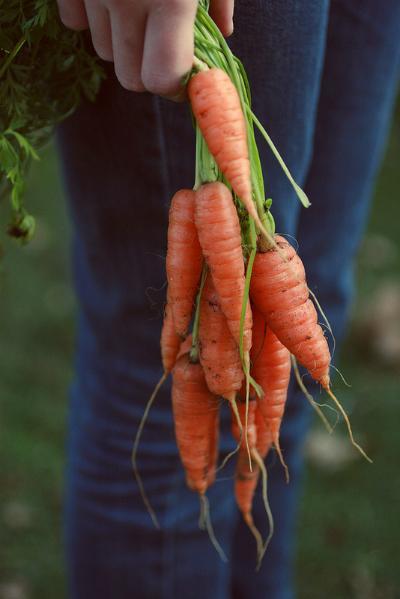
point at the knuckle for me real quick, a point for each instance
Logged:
(72, 23)
(131, 84)
(157, 84)
(72, 15)
(106, 56)
(103, 53)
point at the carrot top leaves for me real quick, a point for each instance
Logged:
(45, 70)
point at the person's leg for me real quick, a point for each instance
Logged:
(282, 45)
(361, 75)
(123, 159)
(357, 94)
(119, 184)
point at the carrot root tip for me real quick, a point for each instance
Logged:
(248, 518)
(270, 518)
(347, 421)
(205, 518)
(135, 448)
(281, 459)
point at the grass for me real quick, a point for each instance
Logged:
(349, 517)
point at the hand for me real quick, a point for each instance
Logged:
(149, 41)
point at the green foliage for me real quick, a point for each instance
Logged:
(45, 70)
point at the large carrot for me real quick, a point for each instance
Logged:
(279, 290)
(195, 412)
(271, 369)
(220, 239)
(218, 112)
(184, 259)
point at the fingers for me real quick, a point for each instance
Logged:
(128, 29)
(100, 28)
(149, 41)
(73, 14)
(168, 47)
(222, 13)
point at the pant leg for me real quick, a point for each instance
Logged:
(118, 242)
(284, 44)
(118, 181)
(357, 93)
(358, 90)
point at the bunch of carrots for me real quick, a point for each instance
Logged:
(239, 312)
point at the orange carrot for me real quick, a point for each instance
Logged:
(218, 112)
(220, 239)
(195, 412)
(279, 290)
(170, 341)
(214, 430)
(271, 369)
(213, 448)
(246, 478)
(219, 353)
(184, 259)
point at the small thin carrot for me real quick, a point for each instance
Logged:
(271, 369)
(246, 478)
(184, 259)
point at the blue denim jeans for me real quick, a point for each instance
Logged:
(324, 77)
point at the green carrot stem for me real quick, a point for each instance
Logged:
(10, 57)
(194, 352)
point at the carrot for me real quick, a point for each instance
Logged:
(220, 239)
(271, 369)
(279, 290)
(246, 479)
(216, 106)
(184, 259)
(195, 412)
(219, 353)
(170, 341)
(213, 448)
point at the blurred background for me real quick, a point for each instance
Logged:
(348, 537)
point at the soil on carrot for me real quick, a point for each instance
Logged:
(347, 542)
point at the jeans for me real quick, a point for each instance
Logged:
(323, 76)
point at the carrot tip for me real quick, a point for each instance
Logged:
(248, 518)
(264, 474)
